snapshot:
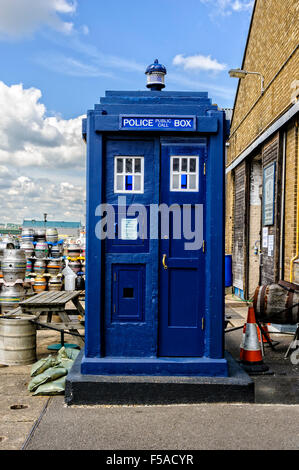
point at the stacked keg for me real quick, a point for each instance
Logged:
(43, 254)
(12, 284)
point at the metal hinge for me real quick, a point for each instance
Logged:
(204, 168)
(203, 246)
(114, 308)
(114, 277)
(202, 323)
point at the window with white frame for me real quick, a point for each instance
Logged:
(128, 174)
(184, 173)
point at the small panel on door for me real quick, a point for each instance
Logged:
(128, 292)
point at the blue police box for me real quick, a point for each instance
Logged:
(155, 233)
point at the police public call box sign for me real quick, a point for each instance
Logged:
(158, 123)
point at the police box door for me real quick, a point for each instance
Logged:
(181, 263)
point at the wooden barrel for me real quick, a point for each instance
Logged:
(273, 302)
(17, 341)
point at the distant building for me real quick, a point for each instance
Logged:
(262, 173)
(10, 229)
(71, 229)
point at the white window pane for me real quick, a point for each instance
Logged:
(129, 165)
(137, 165)
(184, 164)
(192, 165)
(119, 185)
(192, 181)
(175, 181)
(176, 164)
(137, 183)
(119, 165)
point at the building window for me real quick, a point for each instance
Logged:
(184, 173)
(129, 174)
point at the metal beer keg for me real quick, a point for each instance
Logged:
(52, 235)
(41, 249)
(11, 296)
(28, 247)
(13, 265)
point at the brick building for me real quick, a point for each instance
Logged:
(262, 201)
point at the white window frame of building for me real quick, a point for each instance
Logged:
(181, 172)
(132, 173)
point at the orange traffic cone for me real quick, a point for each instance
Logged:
(265, 329)
(242, 342)
(252, 355)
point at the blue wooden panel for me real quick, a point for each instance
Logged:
(128, 292)
(133, 335)
(215, 270)
(183, 308)
(140, 245)
(181, 286)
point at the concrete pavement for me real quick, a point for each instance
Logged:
(200, 426)
(167, 427)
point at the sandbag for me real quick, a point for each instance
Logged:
(66, 363)
(72, 353)
(56, 387)
(48, 375)
(42, 365)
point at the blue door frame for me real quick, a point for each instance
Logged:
(181, 271)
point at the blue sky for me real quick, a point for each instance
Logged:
(59, 56)
(113, 41)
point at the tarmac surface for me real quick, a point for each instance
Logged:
(47, 423)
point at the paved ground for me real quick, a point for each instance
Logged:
(48, 424)
(16, 423)
(205, 426)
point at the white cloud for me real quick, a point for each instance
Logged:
(29, 138)
(198, 62)
(227, 7)
(27, 197)
(42, 159)
(23, 17)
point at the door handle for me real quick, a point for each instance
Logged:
(163, 262)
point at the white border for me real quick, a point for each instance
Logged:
(126, 191)
(196, 173)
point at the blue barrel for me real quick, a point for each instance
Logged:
(228, 270)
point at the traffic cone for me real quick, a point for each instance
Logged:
(242, 342)
(252, 360)
(265, 329)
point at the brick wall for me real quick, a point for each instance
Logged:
(274, 35)
(290, 198)
(271, 50)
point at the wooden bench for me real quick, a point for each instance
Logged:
(53, 303)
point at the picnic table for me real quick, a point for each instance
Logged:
(50, 303)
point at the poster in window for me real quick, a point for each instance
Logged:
(269, 194)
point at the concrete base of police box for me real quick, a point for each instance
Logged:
(132, 390)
